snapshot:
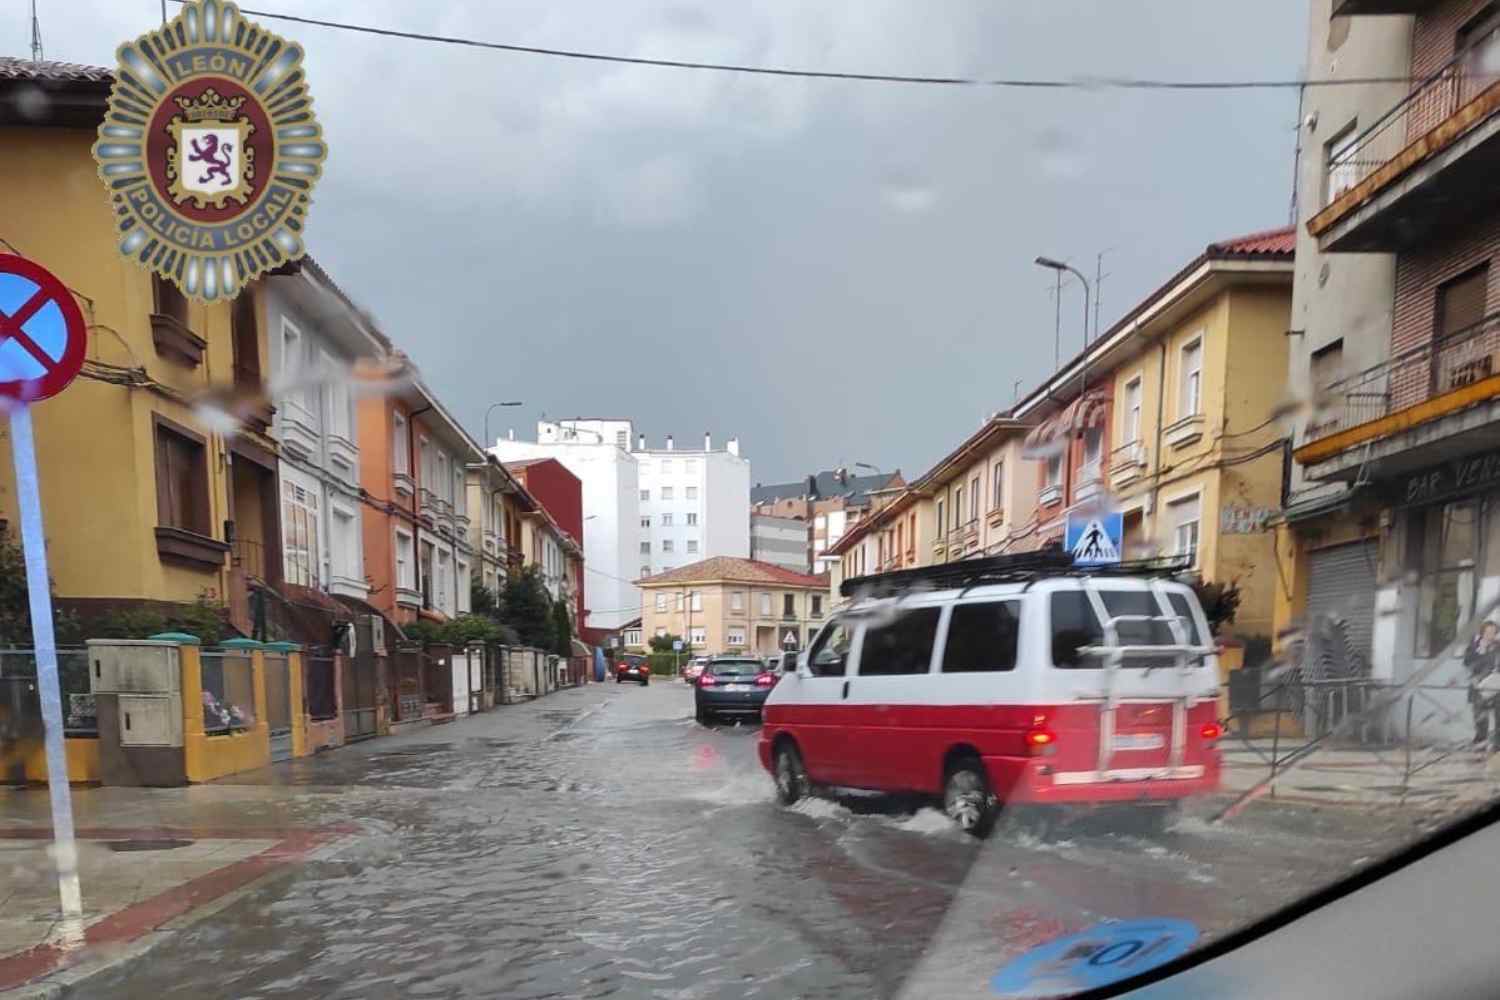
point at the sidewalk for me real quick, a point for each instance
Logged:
(1435, 778)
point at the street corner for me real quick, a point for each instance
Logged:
(136, 882)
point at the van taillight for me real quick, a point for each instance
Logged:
(1040, 741)
(1211, 731)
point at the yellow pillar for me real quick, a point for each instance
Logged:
(299, 703)
(1290, 582)
(194, 750)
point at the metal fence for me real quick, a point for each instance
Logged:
(228, 692)
(318, 682)
(1432, 368)
(20, 702)
(408, 693)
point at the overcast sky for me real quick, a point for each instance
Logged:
(832, 271)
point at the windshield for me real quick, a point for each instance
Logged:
(636, 498)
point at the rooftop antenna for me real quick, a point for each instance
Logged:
(1099, 277)
(36, 35)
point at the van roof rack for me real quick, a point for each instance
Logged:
(1019, 567)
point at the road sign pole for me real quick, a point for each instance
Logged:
(44, 642)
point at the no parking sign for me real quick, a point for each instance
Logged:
(1105, 953)
(43, 337)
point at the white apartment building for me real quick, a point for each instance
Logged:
(694, 504)
(311, 330)
(598, 453)
(645, 510)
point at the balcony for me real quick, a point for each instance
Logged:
(1127, 463)
(1422, 407)
(343, 456)
(940, 549)
(1356, 8)
(969, 536)
(1426, 165)
(1049, 494)
(403, 484)
(995, 517)
(427, 503)
(1090, 482)
(1184, 432)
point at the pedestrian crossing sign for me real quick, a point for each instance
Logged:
(1094, 539)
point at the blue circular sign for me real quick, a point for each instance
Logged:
(1105, 953)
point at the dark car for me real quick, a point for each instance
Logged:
(633, 668)
(732, 685)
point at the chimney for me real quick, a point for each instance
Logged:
(708, 442)
(669, 442)
(510, 434)
(734, 447)
(641, 444)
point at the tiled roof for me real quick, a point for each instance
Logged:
(827, 484)
(12, 68)
(1272, 242)
(740, 570)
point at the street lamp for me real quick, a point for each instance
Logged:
(513, 402)
(1059, 266)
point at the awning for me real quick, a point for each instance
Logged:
(1087, 411)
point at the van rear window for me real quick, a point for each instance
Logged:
(1074, 624)
(1137, 602)
(982, 637)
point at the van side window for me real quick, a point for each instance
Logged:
(902, 646)
(831, 651)
(982, 637)
(1182, 608)
(1074, 624)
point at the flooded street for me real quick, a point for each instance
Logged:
(600, 843)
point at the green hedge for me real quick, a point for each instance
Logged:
(664, 664)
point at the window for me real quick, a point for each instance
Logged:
(973, 500)
(997, 487)
(1340, 166)
(735, 637)
(440, 477)
(666, 465)
(692, 493)
(1326, 365)
(645, 495)
(1460, 302)
(677, 601)
(692, 545)
(405, 567)
(830, 652)
(1182, 609)
(401, 446)
(245, 338)
(645, 548)
(696, 600)
(344, 546)
(166, 300)
(903, 646)
(463, 587)
(645, 522)
(181, 482)
(1074, 625)
(1183, 516)
(1132, 422)
(698, 636)
(1480, 42)
(789, 605)
(1054, 471)
(443, 597)
(942, 526)
(1190, 398)
(1446, 540)
(622, 440)
(337, 399)
(982, 637)
(666, 545)
(690, 465)
(765, 605)
(737, 601)
(1093, 448)
(666, 492)
(661, 602)
(299, 529)
(666, 520)
(958, 506)
(692, 520)
(817, 605)
(645, 571)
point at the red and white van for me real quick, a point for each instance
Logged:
(1057, 689)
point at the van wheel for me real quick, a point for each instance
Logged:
(967, 799)
(791, 776)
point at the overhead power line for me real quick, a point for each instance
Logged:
(1018, 83)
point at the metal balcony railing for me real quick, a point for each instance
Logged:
(1429, 370)
(1430, 103)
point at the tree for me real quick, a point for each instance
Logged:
(527, 608)
(663, 643)
(1220, 601)
(483, 600)
(562, 626)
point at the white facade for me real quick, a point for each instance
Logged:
(780, 541)
(611, 533)
(445, 557)
(694, 505)
(318, 482)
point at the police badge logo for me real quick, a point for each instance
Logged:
(210, 150)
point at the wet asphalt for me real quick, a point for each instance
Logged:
(599, 843)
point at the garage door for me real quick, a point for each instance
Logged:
(1341, 582)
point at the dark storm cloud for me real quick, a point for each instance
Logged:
(831, 271)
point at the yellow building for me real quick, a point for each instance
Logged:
(140, 495)
(730, 605)
(1184, 439)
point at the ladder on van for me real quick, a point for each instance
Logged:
(1186, 656)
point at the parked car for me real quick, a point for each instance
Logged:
(694, 669)
(732, 685)
(1051, 689)
(633, 668)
